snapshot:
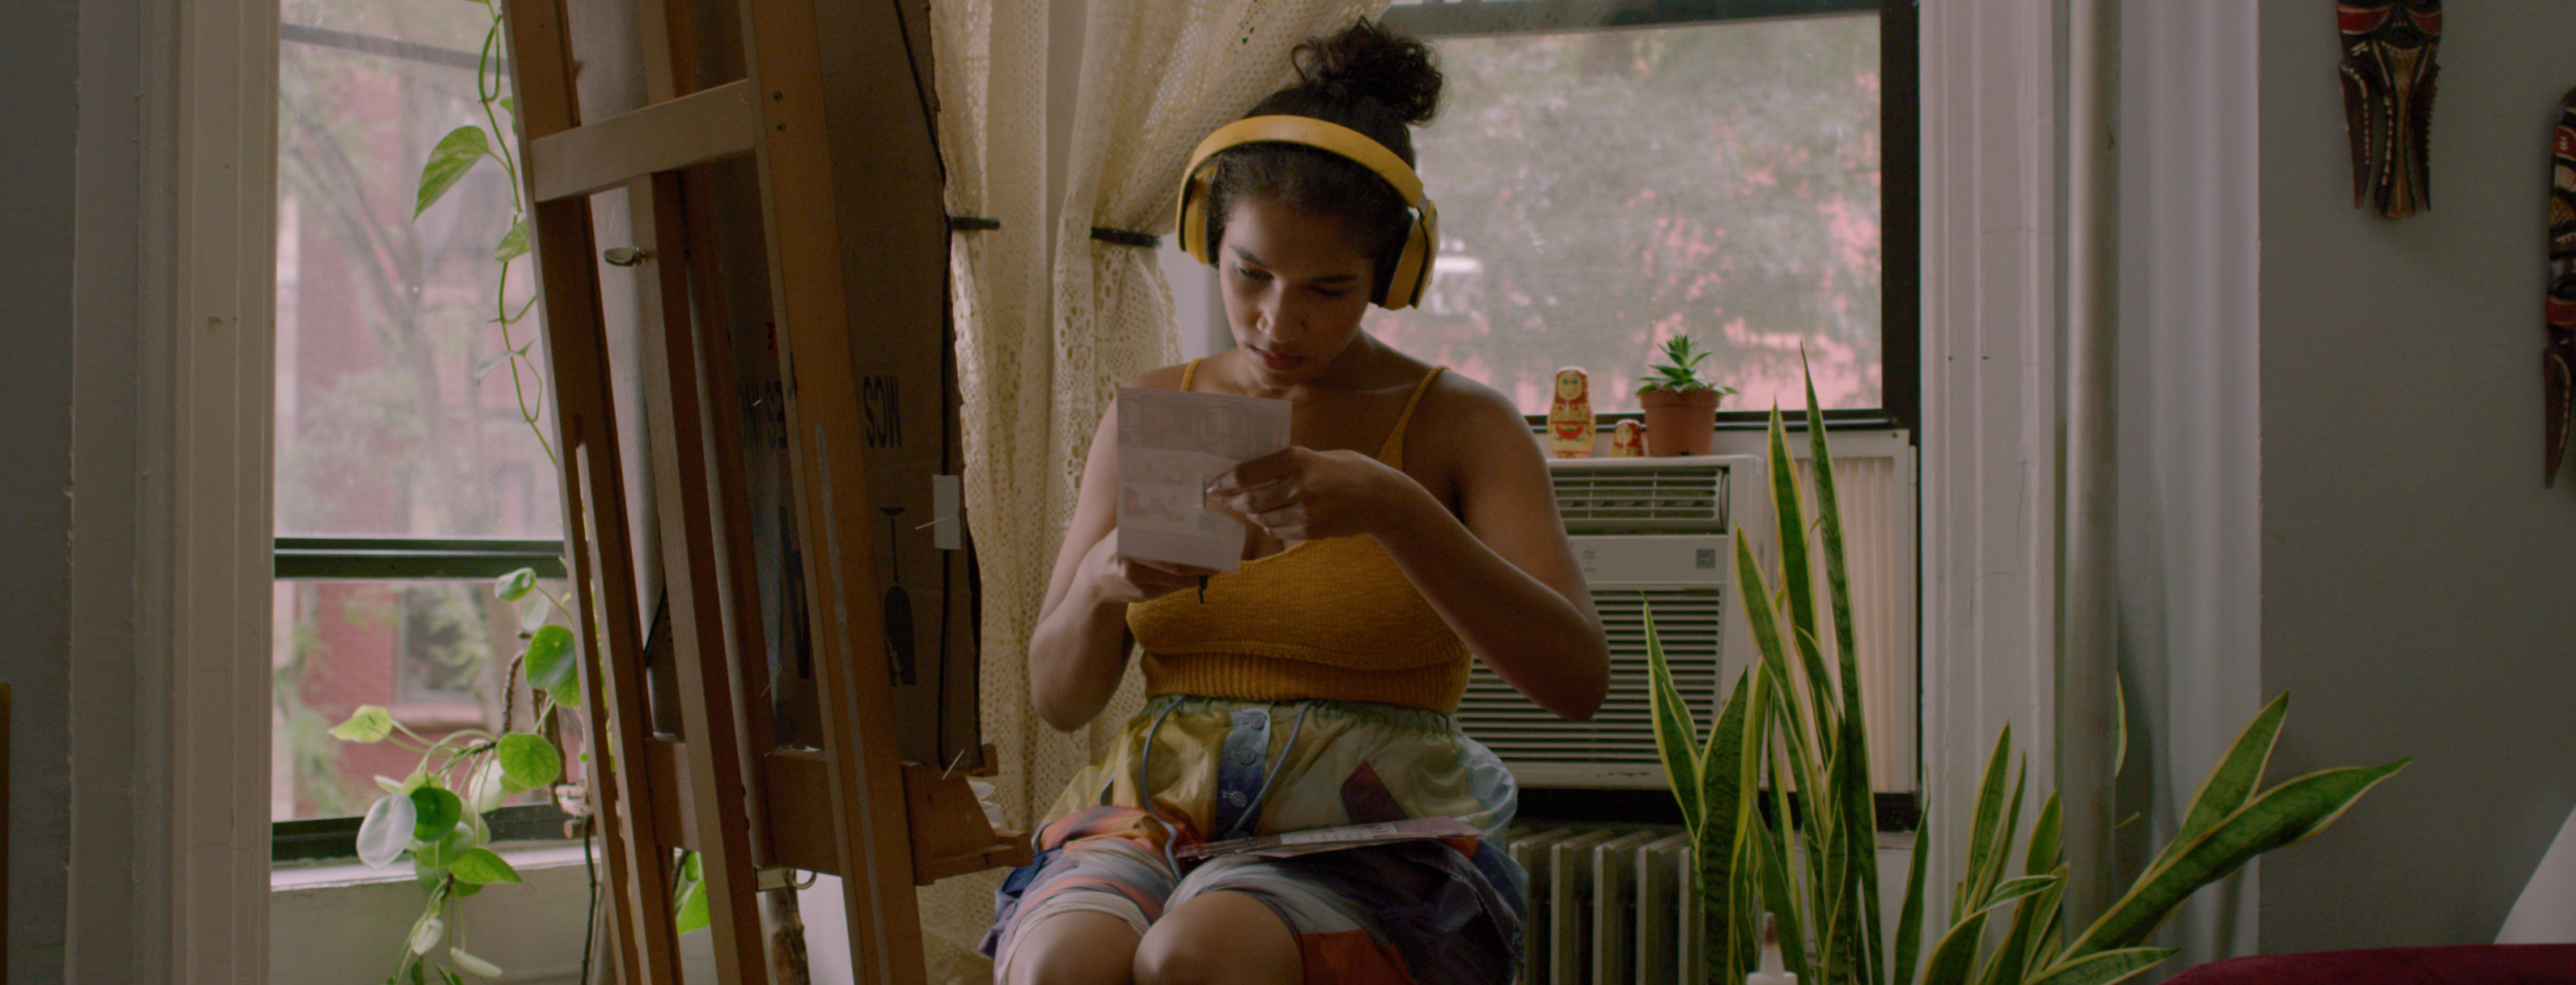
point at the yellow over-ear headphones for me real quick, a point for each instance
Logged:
(1412, 268)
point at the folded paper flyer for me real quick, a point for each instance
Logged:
(1170, 443)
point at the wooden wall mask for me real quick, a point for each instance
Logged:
(2388, 81)
(2558, 361)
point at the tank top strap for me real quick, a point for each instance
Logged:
(1393, 452)
(1190, 372)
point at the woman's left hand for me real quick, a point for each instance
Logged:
(1300, 494)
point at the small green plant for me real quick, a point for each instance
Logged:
(1680, 370)
(436, 813)
(1778, 804)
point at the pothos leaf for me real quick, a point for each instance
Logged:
(387, 830)
(550, 664)
(435, 812)
(528, 762)
(692, 904)
(448, 162)
(473, 965)
(517, 584)
(513, 245)
(482, 865)
(370, 723)
(483, 367)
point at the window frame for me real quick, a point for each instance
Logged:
(384, 559)
(1900, 169)
(396, 559)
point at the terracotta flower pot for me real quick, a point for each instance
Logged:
(1680, 422)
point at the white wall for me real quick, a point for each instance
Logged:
(2419, 586)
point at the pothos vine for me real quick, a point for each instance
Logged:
(436, 814)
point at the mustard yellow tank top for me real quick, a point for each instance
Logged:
(1333, 618)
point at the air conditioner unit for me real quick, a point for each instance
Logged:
(1649, 532)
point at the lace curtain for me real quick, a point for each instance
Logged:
(991, 60)
(1040, 355)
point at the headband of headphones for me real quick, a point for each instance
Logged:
(1412, 268)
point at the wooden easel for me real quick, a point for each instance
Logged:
(686, 744)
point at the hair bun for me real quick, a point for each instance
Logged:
(1370, 63)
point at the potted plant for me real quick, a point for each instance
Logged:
(1775, 796)
(1680, 408)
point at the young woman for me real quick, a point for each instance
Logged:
(1409, 529)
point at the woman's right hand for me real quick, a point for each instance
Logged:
(1116, 578)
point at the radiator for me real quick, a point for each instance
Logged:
(1609, 904)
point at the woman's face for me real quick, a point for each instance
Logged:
(1295, 284)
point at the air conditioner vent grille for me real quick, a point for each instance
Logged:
(1674, 499)
(1688, 622)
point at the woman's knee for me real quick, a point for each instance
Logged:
(1072, 949)
(1220, 937)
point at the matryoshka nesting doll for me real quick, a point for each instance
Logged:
(1628, 440)
(1569, 415)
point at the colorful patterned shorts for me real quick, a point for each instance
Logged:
(1414, 912)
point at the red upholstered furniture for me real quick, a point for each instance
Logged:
(2479, 964)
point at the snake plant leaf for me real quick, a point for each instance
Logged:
(1777, 898)
(1860, 840)
(434, 812)
(550, 663)
(1981, 829)
(2119, 725)
(1955, 956)
(2233, 781)
(2105, 968)
(1999, 856)
(1789, 514)
(528, 762)
(370, 723)
(2020, 886)
(2283, 815)
(1721, 796)
(1758, 613)
(482, 866)
(2045, 851)
(1909, 916)
(1829, 527)
(453, 156)
(387, 830)
(1676, 734)
(2032, 919)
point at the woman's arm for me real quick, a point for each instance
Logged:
(1079, 649)
(1499, 572)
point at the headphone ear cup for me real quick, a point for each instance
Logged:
(1413, 269)
(1193, 227)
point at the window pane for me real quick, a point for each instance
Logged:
(425, 650)
(1603, 191)
(383, 320)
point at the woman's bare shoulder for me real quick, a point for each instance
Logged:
(1166, 378)
(1462, 402)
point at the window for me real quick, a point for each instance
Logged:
(408, 475)
(1612, 175)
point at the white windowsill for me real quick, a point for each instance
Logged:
(525, 857)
